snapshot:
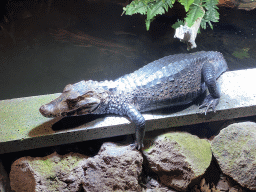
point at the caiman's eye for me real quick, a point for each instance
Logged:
(67, 88)
(88, 94)
(71, 103)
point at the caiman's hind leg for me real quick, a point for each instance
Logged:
(211, 100)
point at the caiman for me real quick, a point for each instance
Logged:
(170, 81)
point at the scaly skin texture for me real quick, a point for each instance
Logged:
(170, 81)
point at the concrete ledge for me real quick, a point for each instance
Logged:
(22, 127)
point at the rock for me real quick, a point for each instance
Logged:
(203, 187)
(178, 158)
(46, 174)
(154, 186)
(223, 184)
(235, 150)
(114, 168)
(247, 5)
(188, 34)
(4, 179)
(236, 188)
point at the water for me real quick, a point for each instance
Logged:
(43, 48)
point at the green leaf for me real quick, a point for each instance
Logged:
(210, 3)
(203, 23)
(170, 3)
(194, 13)
(195, 9)
(149, 7)
(155, 9)
(165, 6)
(209, 22)
(211, 14)
(134, 8)
(147, 24)
(178, 24)
(186, 4)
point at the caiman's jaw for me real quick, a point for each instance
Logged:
(72, 102)
(63, 109)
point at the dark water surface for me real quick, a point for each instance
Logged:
(44, 47)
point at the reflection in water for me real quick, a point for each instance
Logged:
(84, 40)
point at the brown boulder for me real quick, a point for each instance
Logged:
(247, 5)
(179, 158)
(114, 168)
(235, 150)
(51, 173)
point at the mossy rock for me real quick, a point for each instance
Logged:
(235, 150)
(178, 158)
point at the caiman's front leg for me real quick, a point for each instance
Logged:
(139, 121)
(135, 116)
(211, 100)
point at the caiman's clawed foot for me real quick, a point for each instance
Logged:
(209, 102)
(137, 146)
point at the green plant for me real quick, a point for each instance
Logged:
(206, 9)
(241, 53)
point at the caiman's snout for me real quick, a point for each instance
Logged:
(60, 108)
(47, 110)
(75, 100)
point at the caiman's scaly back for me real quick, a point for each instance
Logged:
(170, 81)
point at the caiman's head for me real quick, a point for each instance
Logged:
(77, 99)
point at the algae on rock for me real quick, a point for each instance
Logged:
(178, 158)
